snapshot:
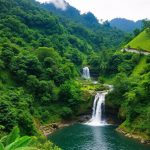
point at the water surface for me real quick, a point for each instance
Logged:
(84, 137)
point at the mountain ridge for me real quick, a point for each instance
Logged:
(125, 24)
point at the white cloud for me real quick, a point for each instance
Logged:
(61, 4)
(109, 9)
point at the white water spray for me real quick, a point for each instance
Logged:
(98, 109)
(86, 73)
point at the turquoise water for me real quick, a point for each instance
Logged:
(84, 137)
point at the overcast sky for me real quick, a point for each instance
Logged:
(109, 9)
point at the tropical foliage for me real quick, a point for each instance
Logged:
(14, 141)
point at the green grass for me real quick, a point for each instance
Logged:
(139, 68)
(142, 42)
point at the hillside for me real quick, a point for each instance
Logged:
(71, 13)
(141, 42)
(41, 55)
(125, 24)
(107, 34)
(130, 97)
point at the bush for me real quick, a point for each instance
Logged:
(66, 113)
(101, 80)
(70, 94)
(14, 110)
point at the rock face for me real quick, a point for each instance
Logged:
(140, 138)
(83, 118)
(50, 128)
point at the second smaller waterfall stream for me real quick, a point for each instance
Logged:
(86, 73)
(98, 110)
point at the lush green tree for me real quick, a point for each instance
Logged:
(24, 65)
(70, 93)
(15, 110)
(44, 52)
(66, 113)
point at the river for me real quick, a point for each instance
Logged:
(85, 137)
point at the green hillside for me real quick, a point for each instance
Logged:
(41, 55)
(41, 59)
(140, 67)
(142, 41)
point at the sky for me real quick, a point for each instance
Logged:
(109, 9)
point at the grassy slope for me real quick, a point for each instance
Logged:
(142, 41)
(139, 68)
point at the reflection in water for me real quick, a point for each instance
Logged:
(85, 137)
(98, 139)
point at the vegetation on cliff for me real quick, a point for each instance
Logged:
(131, 94)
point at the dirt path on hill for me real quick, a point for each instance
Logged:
(135, 51)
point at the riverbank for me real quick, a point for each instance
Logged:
(48, 129)
(52, 127)
(142, 138)
(79, 136)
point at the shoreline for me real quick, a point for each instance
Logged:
(50, 128)
(135, 136)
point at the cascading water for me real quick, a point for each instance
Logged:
(86, 73)
(98, 110)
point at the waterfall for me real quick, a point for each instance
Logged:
(86, 73)
(98, 110)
